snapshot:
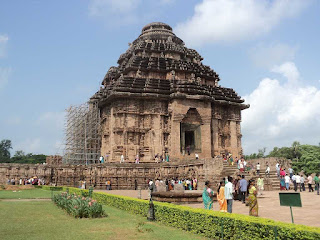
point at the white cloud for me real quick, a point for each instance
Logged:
(114, 11)
(268, 55)
(281, 113)
(235, 20)
(3, 44)
(30, 145)
(52, 119)
(4, 76)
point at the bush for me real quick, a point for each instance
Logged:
(208, 223)
(79, 206)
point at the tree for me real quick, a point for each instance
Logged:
(19, 153)
(5, 146)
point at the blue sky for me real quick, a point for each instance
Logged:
(55, 53)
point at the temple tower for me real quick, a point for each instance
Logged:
(161, 99)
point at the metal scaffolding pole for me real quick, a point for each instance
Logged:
(82, 133)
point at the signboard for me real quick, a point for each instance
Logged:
(290, 199)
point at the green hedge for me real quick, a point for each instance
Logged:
(211, 224)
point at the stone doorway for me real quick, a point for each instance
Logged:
(189, 141)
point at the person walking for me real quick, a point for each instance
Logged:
(310, 183)
(252, 199)
(243, 188)
(316, 182)
(228, 190)
(207, 196)
(287, 181)
(258, 169)
(221, 198)
(260, 185)
(137, 159)
(294, 182)
(290, 172)
(302, 183)
(298, 182)
(267, 173)
(121, 158)
(278, 169)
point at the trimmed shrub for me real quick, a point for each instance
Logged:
(78, 206)
(211, 224)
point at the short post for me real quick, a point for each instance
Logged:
(139, 192)
(151, 216)
(291, 214)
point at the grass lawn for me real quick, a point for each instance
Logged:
(25, 194)
(44, 220)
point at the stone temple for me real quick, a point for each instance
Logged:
(160, 99)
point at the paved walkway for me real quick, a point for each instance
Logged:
(269, 206)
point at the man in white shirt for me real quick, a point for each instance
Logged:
(298, 181)
(122, 159)
(302, 183)
(287, 181)
(268, 171)
(278, 169)
(258, 169)
(294, 182)
(228, 190)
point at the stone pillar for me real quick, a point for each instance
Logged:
(205, 141)
(233, 138)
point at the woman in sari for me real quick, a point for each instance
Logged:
(252, 200)
(282, 183)
(207, 196)
(221, 199)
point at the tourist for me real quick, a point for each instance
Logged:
(241, 165)
(278, 169)
(20, 181)
(137, 159)
(282, 172)
(188, 150)
(287, 182)
(231, 160)
(316, 182)
(252, 199)
(244, 164)
(267, 172)
(195, 184)
(290, 172)
(237, 188)
(258, 169)
(101, 159)
(151, 187)
(228, 190)
(121, 158)
(282, 183)
(302, 183)
(197, 156)
(207, 196)
(310, 183)
(260, 185)
(156, 158)
(167, 157)
(294, 182)
(221, 198)
(107, 185)
(298, 181)
(243, 188)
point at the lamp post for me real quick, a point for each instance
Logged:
(151, 216)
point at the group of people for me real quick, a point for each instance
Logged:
(229, 190)
(26, 181)
(188, 184)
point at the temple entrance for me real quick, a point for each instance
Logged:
(190, 132)
(189, 141)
